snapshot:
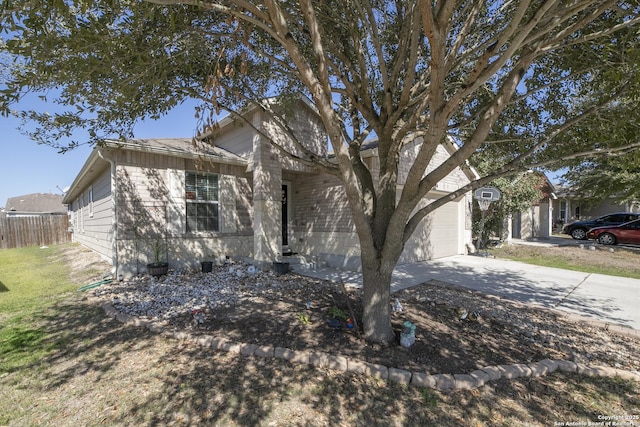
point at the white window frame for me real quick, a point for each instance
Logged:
(193, 197)
(91, 201)
(81, 213)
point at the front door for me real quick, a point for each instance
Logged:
(516, 225)
(285, 217)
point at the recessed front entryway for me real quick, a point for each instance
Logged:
(286, 249)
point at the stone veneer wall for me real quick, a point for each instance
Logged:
(322, 225)
(150, 203)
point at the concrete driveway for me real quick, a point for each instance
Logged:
(609, 299)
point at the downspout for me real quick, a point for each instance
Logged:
(114, 239)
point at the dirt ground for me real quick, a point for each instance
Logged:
(457, 331)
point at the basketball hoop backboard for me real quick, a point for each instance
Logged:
(490, 194)
(486, 195)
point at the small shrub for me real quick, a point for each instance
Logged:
(336, 313)
(304, 319)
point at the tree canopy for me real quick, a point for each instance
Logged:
(509, 79)
(614, 174)
(598, 179)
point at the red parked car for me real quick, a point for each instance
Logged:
(629, 232)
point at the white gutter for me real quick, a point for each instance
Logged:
(114, 206)
(71, 192)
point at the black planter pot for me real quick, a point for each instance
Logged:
(280, 268)
(158, 269)
(207, 266)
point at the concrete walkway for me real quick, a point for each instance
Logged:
(608, 299)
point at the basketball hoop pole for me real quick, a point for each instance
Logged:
(484, 206)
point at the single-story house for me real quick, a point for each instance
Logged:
(570, 207)
(35, 219)
(537, 220)
(241, 198)
(35, 204)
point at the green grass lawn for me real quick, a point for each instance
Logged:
(553, 262)
(31, 280)
(621, 262)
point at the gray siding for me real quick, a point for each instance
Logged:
(237, 139)
(93, 220)
(604, 208)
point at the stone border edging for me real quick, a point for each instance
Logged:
(470, 381)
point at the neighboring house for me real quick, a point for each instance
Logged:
(537, 220)
(570, 207)
(34, 219)
(37, 204)
(239, 198)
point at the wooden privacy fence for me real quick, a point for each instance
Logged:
(17, 232)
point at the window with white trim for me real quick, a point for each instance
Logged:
(203, 205)
(91, 201)
(81, 212)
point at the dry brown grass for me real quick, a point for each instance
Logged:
(583, 256)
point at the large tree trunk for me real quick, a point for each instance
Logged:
(376, 317)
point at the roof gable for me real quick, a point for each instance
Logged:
(369, 147)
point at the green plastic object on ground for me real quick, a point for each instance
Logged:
(95, 285)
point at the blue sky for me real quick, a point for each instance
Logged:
(26, 167)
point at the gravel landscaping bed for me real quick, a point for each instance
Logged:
(457, 331)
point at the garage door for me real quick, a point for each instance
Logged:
(446, 229)
(437, 236)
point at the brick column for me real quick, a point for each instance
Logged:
(267, 201)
